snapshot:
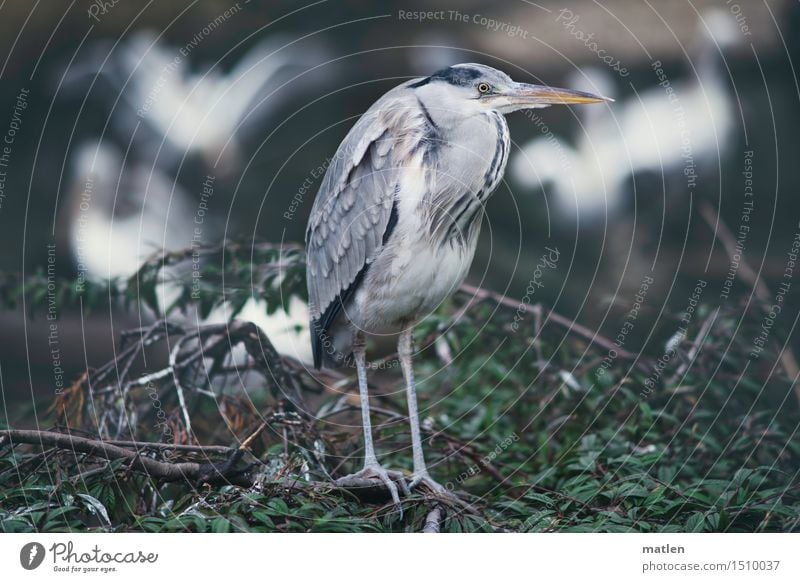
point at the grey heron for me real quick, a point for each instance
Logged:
(395, 223)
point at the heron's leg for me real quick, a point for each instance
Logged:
(359, 353)
(372, 468)
(405, 351)
(421, 476)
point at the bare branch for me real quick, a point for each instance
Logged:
(750, 277)
(537, 310)
(207, 449)
(157, 469)
(433, 521)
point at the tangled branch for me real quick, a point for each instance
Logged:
(189, 471)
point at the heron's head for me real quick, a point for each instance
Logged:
(471, 88)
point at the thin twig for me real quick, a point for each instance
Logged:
(246, 443)
(750, 277)
(173, 359)
(695, 347)
(745, 272)
(465, 449)
(550, 315)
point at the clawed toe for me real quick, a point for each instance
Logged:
(373, 476)
(440, 492)
(400, 479)
(428, 482)
(394, 481)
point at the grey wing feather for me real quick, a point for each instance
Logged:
(354, 205)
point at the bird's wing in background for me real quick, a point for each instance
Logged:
(256, 82)
(174, 107)
(264, 68)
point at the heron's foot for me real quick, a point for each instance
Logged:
(424, 479)
(440, 492)
(373, 474)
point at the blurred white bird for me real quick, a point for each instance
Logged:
(122, 208)
(641, 133)
(119, 212)
(209, 111)
(288, 330)
(582, 176)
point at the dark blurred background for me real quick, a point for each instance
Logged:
(118, 113)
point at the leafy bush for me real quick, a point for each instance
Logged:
(536, 433)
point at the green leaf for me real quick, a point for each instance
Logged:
(695, 522)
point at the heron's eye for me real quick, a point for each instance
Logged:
(483, 88)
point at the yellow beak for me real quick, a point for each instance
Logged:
(526, 94)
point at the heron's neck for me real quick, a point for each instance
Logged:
(447, 117)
